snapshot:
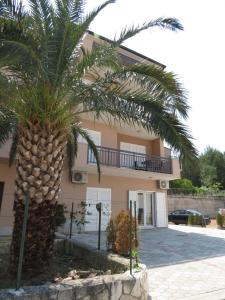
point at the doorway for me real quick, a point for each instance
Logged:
(145, 208)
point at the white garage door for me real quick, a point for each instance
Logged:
(94, 196)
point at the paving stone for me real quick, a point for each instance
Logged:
(183, 261)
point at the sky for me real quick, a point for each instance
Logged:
(196, 55)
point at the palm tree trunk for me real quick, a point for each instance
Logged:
(39, 166)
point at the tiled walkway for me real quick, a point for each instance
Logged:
(184, 262)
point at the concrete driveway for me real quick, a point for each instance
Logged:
(184, 262)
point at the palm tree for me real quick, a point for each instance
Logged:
(43, 95)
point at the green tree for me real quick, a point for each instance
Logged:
(192, 172)
(183, 186)
(43, 94)
(212, 167)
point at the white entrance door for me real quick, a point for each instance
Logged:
(161, 210)
(94, 196)
(145, 207)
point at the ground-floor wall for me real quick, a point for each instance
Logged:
(74, 192)
(7, 176)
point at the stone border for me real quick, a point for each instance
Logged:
(107, 287)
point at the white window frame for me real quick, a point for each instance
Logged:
(133, 196)
(90, 132)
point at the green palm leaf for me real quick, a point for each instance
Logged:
(163, 23)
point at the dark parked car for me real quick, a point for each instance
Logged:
(181, 216)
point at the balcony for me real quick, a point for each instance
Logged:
(131, 160)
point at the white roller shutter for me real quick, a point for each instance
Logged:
(91, 212)
(94, 196)
(133, 148)
(161, 210)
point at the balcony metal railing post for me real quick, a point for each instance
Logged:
(117, 158)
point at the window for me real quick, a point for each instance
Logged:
(1, 193)
(133, 148)
(94, 135)
(129, 160)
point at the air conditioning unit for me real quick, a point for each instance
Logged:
(79, 176)
(163, 184)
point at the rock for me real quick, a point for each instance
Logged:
(92, 275)
(31, 179)
(36, 172)
(73, 273)
(44, 166)
(38, 183)
(34, 149)
(45, 190)
(36, 137)
(46, 178)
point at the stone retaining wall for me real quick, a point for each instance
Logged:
(208, 205)
(107, 287)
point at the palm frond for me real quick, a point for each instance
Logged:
(160, 84)
(13, 149)
(164, 23)
(92, 15)
(72, 147)
(8, 89)
(8, 124)
(13, 54)
(41, 55)
(77, 10)
(98, 57)
(13, 9)
(138, 108)
(76, 130)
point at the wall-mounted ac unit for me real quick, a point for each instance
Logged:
(163, 184)
(79, 176)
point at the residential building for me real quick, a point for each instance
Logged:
(135, 166)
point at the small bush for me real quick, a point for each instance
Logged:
(118, 233)
(195, 220)
(190, 220)
(220, 220)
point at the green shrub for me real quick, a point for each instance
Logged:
(190, 220)
(60, 218)
(220, 220)
(183, 186)
(118, 232)
(194, 220)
